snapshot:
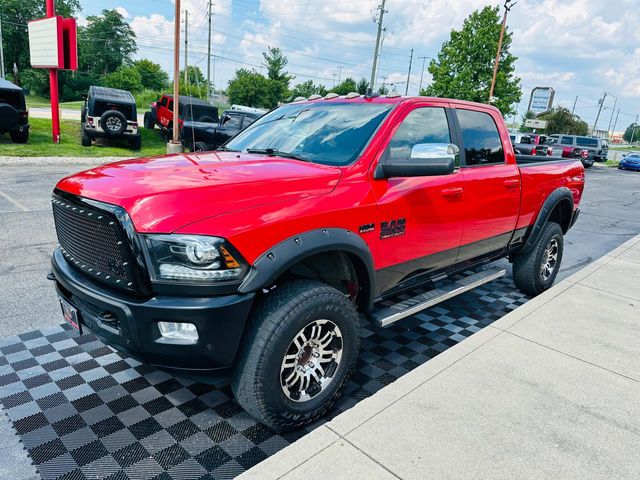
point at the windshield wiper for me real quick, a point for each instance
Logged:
(272, 152)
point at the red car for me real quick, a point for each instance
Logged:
(190, 109)
(257, 259)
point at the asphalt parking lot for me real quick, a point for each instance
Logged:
(106, 414)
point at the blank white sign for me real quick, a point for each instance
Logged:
(43, 43)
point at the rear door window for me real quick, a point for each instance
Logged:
(566, 140)
(481, 139)
(586, 142)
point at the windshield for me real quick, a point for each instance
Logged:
(327, 133)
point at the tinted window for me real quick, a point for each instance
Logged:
(13, 98)
(423, 125)
(248, 120)
(566, 140)
(163, 102)
(232, 121)
(586, 142)
(482, 145)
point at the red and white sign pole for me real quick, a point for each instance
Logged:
(53, 85)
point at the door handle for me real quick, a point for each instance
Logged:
(452, 192)
(510, 184)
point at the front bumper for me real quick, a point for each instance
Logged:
(629, 166)
(130, 324)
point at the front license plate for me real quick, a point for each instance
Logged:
(70, 314)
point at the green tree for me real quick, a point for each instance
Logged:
(363, 86)
(347, 86)
(278, 79)
(464, 66)
(559, 120)
(632, 131)
(15, 34)
(151, 74)
(527, 116)
(125, 78)
(249, 88)
(308, 88)
(196, 84)
(106, 43)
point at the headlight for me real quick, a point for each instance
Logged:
(193, 259)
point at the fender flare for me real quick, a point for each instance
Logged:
(559, 195)
(277, 260)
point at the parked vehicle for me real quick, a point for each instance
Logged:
(598, 148)
(630, 161)
(110, 113)
(257, 259)
(259, 111)
(524, 145)
(189, 109)
(201, 136)
(14, 116)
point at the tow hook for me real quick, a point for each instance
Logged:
(51, 277)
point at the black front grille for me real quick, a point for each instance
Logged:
(92, 241)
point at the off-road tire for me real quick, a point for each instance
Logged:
(588, 163)
(85, 140)
(113, 114)
(83, 115)
(527, 267)
(199, 147)
(19, 136)
(149, 121)
(278, 317)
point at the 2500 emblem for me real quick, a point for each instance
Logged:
(394, 228)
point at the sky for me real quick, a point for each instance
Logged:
(581, 48)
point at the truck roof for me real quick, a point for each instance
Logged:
(111, 95)
(186, 100)
(7, 85)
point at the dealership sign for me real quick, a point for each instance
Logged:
(532, 123)
(541, 100)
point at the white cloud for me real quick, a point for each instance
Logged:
(122, 11)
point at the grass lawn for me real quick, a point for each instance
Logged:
(42, 102)
(41, 145)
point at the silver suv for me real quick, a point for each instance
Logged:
(598, 148)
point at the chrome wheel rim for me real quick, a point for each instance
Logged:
(311, 360)
(114, 124)
(550, 259)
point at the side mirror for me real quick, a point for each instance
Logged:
(427, 159)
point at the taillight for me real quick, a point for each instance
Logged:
(534, 151)
(584, 154)
(134, 124)
(90, 120)
(550, 151)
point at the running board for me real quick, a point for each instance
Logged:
(388, 315)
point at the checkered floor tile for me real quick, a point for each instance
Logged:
(85, 411)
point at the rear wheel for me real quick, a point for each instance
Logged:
(136, 143)
(19, 136)
(300, 350)
(149, 121)
(199, 147)
(86, 140)
(536, 270)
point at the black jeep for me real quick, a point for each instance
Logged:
(202, 136)
(110, 113)
(14, 117)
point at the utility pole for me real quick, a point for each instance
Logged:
(334, 80)
(339, 74)
(595, 125)
(615, 123)
(613, 110)
(406, 90)
(424, 61)
(1, 51)
(377, 49)
(507, 7)
(633, 130)
(174, 146)
(186, 47)
(209, 52)
(574, 106)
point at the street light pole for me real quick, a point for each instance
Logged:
(424, 61)
(507, 7)
(595, 125)
(174, 146)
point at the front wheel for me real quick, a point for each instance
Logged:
(149, 121)
(536, 270)
(199, 147)
(302, 345)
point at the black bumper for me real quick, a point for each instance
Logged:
(130, 324)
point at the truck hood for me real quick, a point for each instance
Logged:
(163, 194)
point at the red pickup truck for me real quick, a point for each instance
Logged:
(257, 259)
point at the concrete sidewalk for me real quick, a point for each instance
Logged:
(551, 390)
